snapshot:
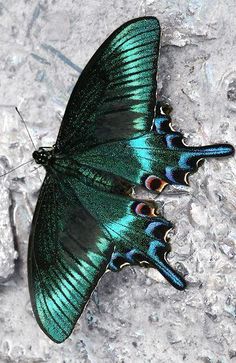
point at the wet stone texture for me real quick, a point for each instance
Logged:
(133, 316)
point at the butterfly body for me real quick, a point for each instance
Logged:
(114, 136)
(43, 156)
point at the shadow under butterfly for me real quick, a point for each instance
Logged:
(114, 136)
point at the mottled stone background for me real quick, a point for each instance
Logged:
(134, 316)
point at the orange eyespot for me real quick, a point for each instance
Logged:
(144, 209)
(155, 184)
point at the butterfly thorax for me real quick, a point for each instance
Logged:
(43, 157)
(74, 169)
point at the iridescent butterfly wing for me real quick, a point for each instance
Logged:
(113, 137)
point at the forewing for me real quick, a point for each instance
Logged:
(67, 255)
(114, 97)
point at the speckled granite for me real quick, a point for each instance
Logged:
(133, 316)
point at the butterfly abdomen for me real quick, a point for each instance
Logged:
(92, 177)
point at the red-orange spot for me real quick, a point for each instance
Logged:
(155, 184)
(145, 210)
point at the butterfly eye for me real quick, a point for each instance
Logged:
(35, 154)
(155, 184)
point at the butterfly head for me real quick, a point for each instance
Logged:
(43, 156)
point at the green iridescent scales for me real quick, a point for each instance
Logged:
(114, 135)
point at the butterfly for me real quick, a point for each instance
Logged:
(114, 135)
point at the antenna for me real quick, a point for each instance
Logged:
(8, 172)
(27, 130)
(27, 162)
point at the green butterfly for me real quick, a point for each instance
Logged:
(114, 136)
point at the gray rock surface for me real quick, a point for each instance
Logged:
(133, 316)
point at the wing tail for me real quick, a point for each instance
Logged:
(154, 159)
(188, 157)
(152, 254)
